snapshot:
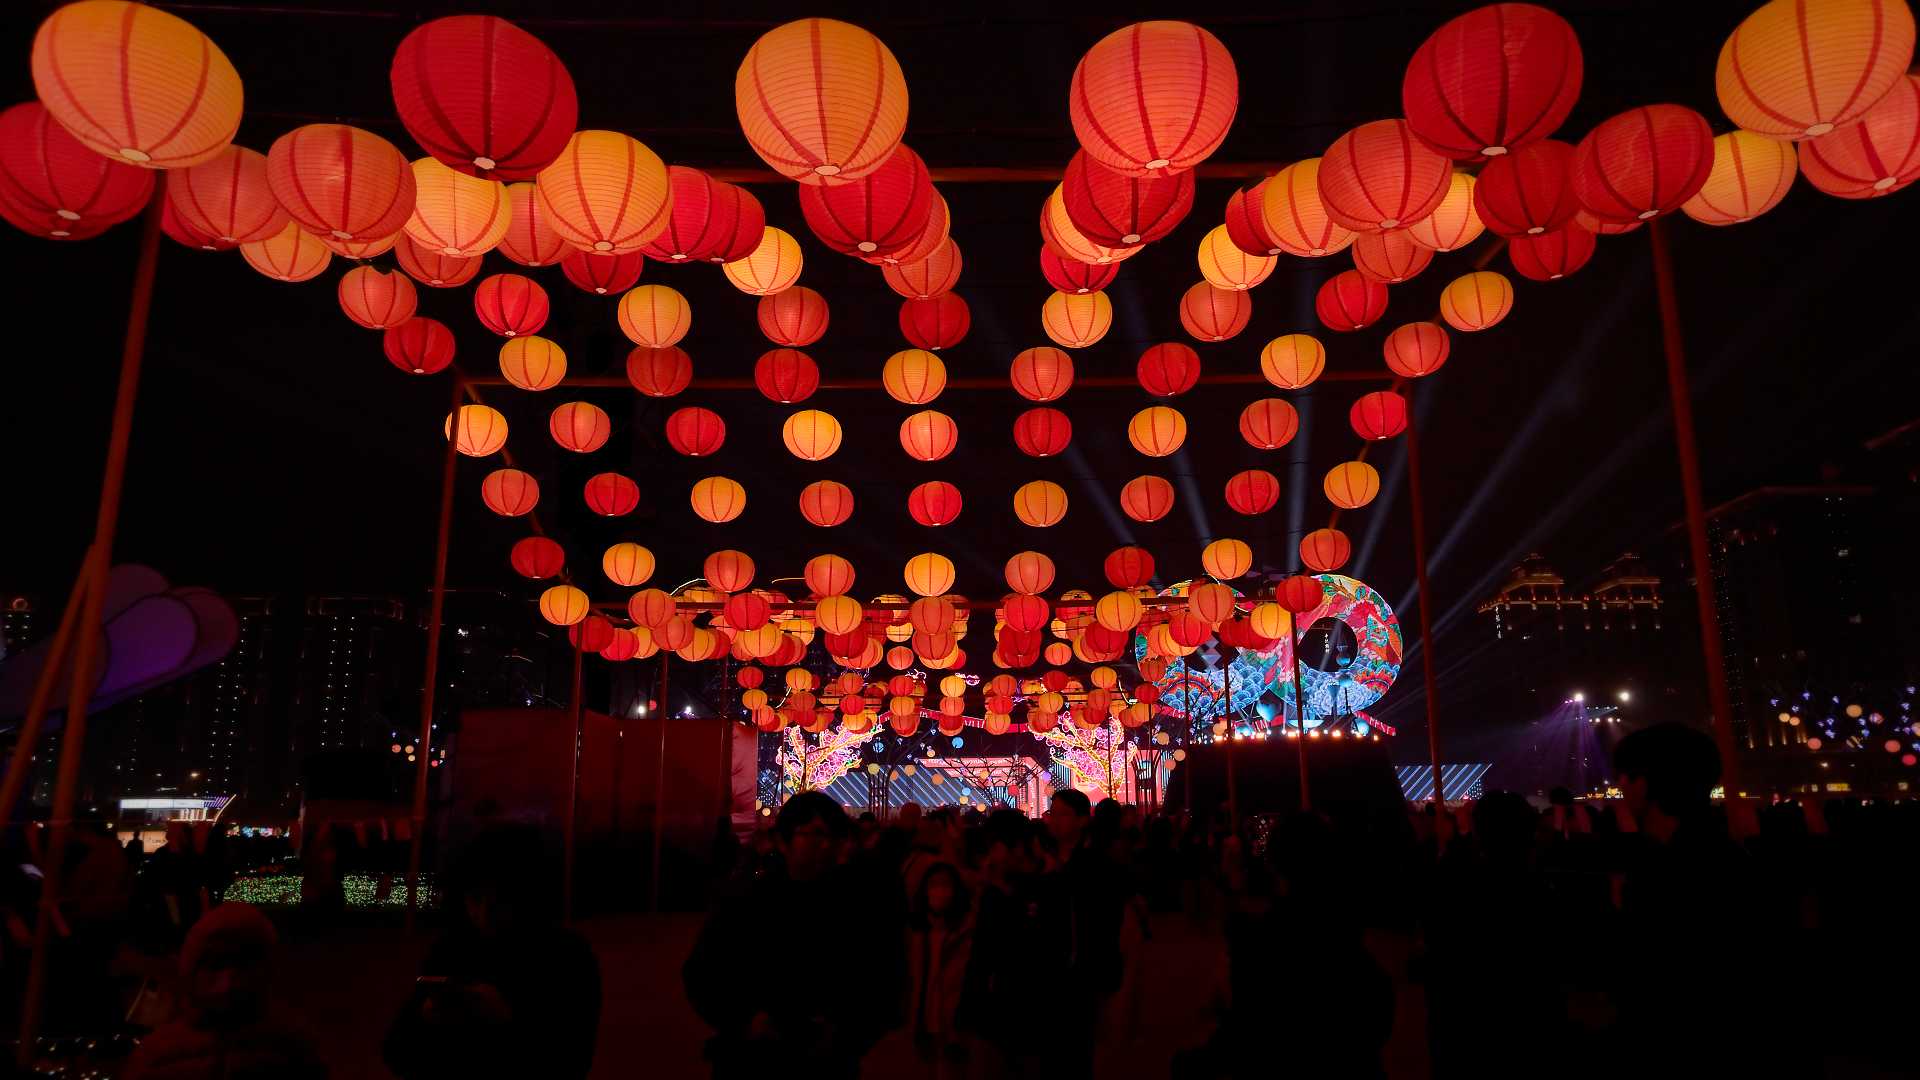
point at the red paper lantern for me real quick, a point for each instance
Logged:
(601, 275)
(1269, 423)
(1350, 301)
(1073, 276)
(1378, 177)
(1379, 415)
(341, 182)
(826, 503)
(935, 323)
(659, 372)
(170, 223)
(1552, 256)
(1042, 432)
(795, 317)
(1389, 257)
(375, 300)
(929, 435)
(1146, 499)
(934, 235)
(420, 346)
(1168, 369)
(728, 570)
(1877, 156)
(432, 268)
(1643, 163)
(1025, 613)
(1153, 98)
(580, 426)
(696, 432)
(1416, 349)
(591, 634)
(1300, 594)
(1246, 221)
(1527, 192)
(1029, 572)
(880, 213)
(1129, 567)
(1492, 80)
(709, 220)
(511, 304)
(1043, 373)
(227, 199)
(1252, 491)
(483, 96)
(934, 503)
(932, 276)
(821, 100)
(537, 557)
(786, 375)
(610, 494)
(510, 492)
(54, 186)
(531, 239)
(1211, 313)
(1325, 550)
(1115, 209)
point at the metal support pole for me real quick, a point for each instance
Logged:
(436, 606)
(91, 594)
(660, 782)
(1300, 709)
(1686, 444)
(1417, 502)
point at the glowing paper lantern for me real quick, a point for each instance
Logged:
(1225, 266)
(1118, 611)
(1246, 222)
(1324, 551)
(1153, 98)
(1300, 594)
(340, 181)
(510, 492)
(1029, 572)
(483, 96)
(376, 300)
(1416, 349)
(432, 268)
(170, 224)
(606, 192)
(696, 432)
(883, 212)
(1042, 432)
(786, 375)
(1227, 559)
(419, 346)
(820, 99)
(1476, 301)
(580, 426)
(627, 564)
(610, 494)
(932, 276)
(1025, 613)
(709, 220)
(1129, 567)
(457, 214)
(362, 248)
(1351, 485)
(601, 275)
(1059, 233)
(1210, 313)
(1293, 361)
(511, 305)
(1379, 415)
(1751, 174)
(935, 323)
(1378, 176)
(1076, 321)
(1042, 374)
(826, 503)
(772, 266)
(531, 239)
(1294, 216)
(827, 575)
(1350, 301)
(931, 615)
(564, 605)
(1492, 80)
(1389, 257)
(1073, 276)
(811, 435)
(651, 608)
(1529, 191)
(1454, 223)
(913, 376)
(795, 317)
(1157, 430)
(1146, 498)
(1877, 156)
(533, 362)
(1168, 369)
(477, 430)
(1643, 163)
(226, 198)
(718, 499)
(1252, 491)
(655, 316)
(928, 435)
(1553, 255)
(1212, 602)
(537, 557)
(838, 614)
(929, 574)
(1040, 503)
(291, 255)
(728, 570)
(1794, 70)
(1115, 209)
(659, 372)
(136, 84)
(1269, 423)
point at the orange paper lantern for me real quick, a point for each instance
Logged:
(929, 435)
(1157, 430)
(1040, 503)
(531, 239)
(1146, 498)
(456, 214)
(1042, 374)
(913, 376)
(929, 574)
(376, 300)
(510, 492)
(826, 503)
(932, 276)
(1227, 559)
(1153, 98)
(1324, 551)
(1294, 216)
(729, 571)
(1379, 176)
(827, 575)
(1076, 321)
(795, 317)
(1252, 491)
(1476, 301)
(564, 605)
(1875, 157)
(655, 316)
(227, 197)
(1029, 573)
(1416, 349)
(658, 372)
(772, 266)
(1390, 257)
(821, 100)
(1269, 423)
(811, 435)
(1797, 70)
(1210, 313)
(532, 362)
(1454, 223)
(606, 192)
(1225, 266)
(718, 499)
(627, 564)
(341, 182)
(1351, 485)
(1293, 361)
(1750, 175)
(580, 426)
(291, 255)
(431, 267)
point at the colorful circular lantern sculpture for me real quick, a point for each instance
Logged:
(821, 100)
(1351, 485)
(606, 192)
(1492, 81)
(1795, 70)
(1153, 98)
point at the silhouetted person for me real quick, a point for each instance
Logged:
(1080, 899)
(765, 1026)
(940, 927)
(229, 1029)
(508, 992)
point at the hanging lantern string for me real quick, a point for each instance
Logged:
(1111, 382)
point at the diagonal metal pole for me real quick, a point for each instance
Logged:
(1416, 501)
(436, 608)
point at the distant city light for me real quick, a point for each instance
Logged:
(1578, 697)
(1625, 696)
